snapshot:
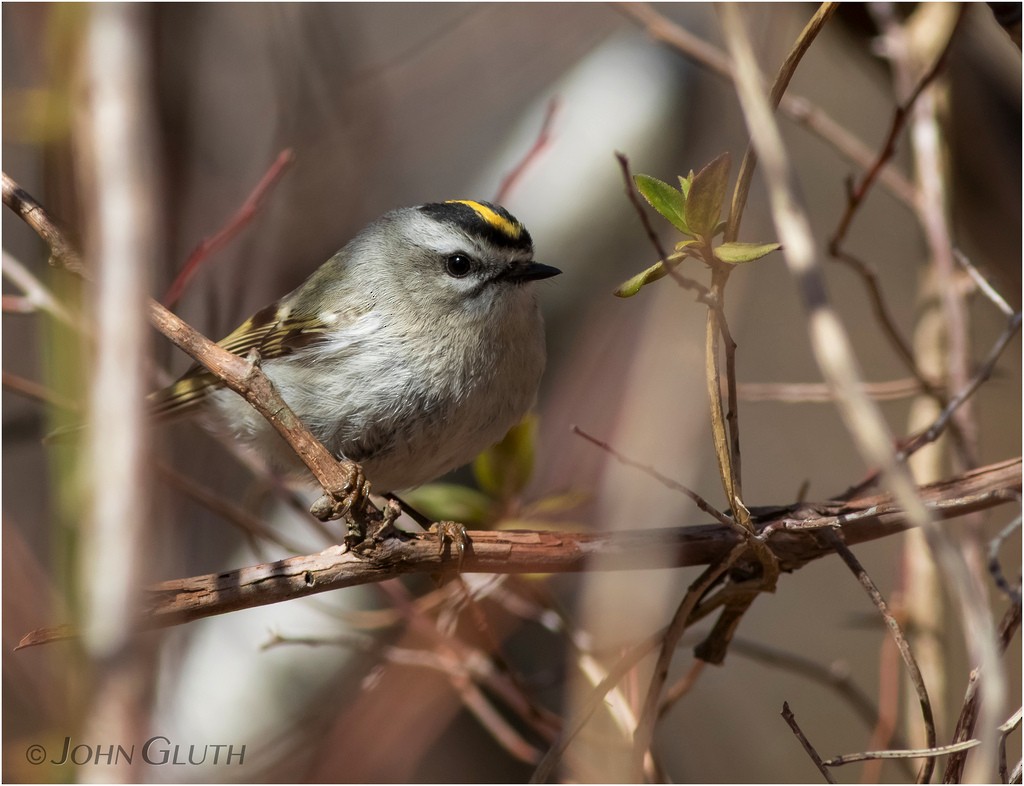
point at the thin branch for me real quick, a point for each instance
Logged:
(923, 753)
(232, 513)
(539, 145)
(572, 727)
(1008, 627)
(859, 192)
(982, 283)
(798, 108)
(782, 80)
(885, 319)
(344, 487)
(242, 217)
(664, 480)
(820, 393)
(681, 687)
(790, 718)
(36, 293)
(834, 354)
(835, 677)
(644, 733)
(901, 643)
(980, 377)
(62, 253)
(37, 392)
(994, 569)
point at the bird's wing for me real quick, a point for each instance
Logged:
(266, 331)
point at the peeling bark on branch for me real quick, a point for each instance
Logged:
(790, 532)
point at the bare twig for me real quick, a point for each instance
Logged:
(901, 642)
(211, 245)
(835, 357)
(982, 283)
(649, 714)
(36, 293)
(62, 253)
(572, 727)
(1008, 627)
(782, 80)
(887, 322)
(819, 392)
(923, 753)
(980, 377)
(342, 482)
(539, 144)
(788, 716)
(251, 525)
(666, 481)
(681, 687)
(859, 191)
(34, 390)
(1013, 593)
(798, 108)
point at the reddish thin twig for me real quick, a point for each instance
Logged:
(539, 145)
(210, 245)
(858, 192)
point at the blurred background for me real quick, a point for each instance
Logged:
(397, 104)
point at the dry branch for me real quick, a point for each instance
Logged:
(344, 487)
(788, 531)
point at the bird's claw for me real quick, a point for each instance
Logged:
(348, 502)
(453, 533)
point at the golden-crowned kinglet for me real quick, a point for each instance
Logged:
(412, 349)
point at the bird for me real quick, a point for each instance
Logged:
(412, 349)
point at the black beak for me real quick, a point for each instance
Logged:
(534, 271)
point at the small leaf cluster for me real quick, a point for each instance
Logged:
(695, 209)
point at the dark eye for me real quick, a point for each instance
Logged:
(458, 265)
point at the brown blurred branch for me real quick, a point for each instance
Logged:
(858, 192)
(345, 489)
(788, 531)
(539, 145)
(798, 108)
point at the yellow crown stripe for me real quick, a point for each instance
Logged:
(511, 228)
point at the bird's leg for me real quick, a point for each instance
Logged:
(447, 531)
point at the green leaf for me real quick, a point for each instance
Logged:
(663, 198)
(640, 280)
(736, 253)
(685, 183)
(655, 271)
(682, 245)
(704, 202)
(503, 470)
(451, 502)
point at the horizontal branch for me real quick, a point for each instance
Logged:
(789, 531)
